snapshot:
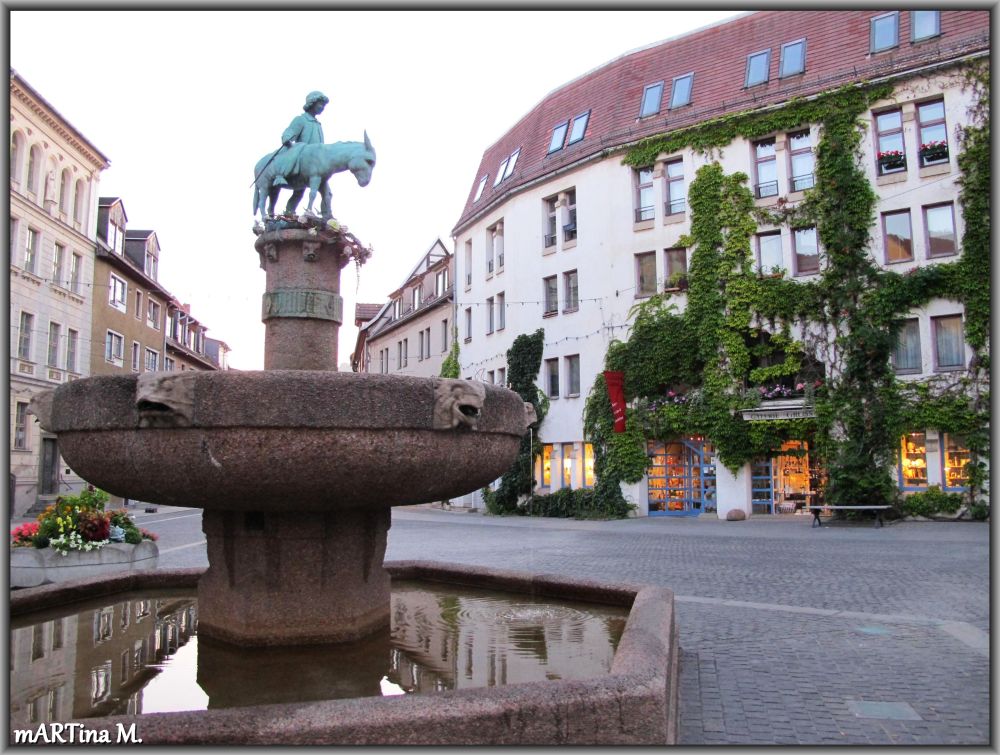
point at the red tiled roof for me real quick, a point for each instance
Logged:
(365, 312)
(837, 52)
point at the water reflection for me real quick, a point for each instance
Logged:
(140, 654)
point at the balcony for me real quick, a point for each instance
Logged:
(644, 213)
(767, 189)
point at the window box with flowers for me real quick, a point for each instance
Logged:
(933, 152)
(76, 538)
(891, 160)
(676, 282)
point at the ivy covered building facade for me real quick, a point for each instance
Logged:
(775, 232)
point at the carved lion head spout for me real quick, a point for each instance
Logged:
(41, 407)
(165, 400)
(457, 403)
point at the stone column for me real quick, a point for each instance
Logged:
(302, 307)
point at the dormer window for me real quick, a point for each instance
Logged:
(651, 97)
(579, 127)
(395, 309)
(506, 167)
(116, 238)
(416, 297)
(757, 67)
(680, 90)
(479, 189)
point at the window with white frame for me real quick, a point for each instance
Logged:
(758, 68)
(468, 324)
(415, 297)
(138, 305)
(551, 222)
(399, 355)
(490, 315)
(793, 58)
(117, 293)
(501, 311)
(571, 291)
(676, 188)
(569, 230)
(933, 133)
(427, 343)
(152, 360)
(406, 352)
(72, 349)
(573, 375)
(136, 356)
(114, 348)
(116, 238)
(651, 97)
(445, 337)
(906, 355)
(25, 328)
(806, 248)
(75, 271)
(21, 425)
(552, 378)
(55, 334)
(506, 166)
(800, 155)
(421, 352)
(766, 168)
(31, 251)
(397, 308)
(480, 187)
(644, 203)
(680, 90)
(645, 274)
(468, 263)
(494, 242)
(898, 236)
(440, 282)
(939, 223)
(58, 264)
(885, 31)
(169, 364)
(152, 262)
(550, 295)
(924, 24)
(949, 343)
(153, 314)
(769, 256)
(489, 377)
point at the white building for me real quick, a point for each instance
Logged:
(558, 233)
(53, 209)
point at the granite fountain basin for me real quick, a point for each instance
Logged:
(634, 703)
(284, 440)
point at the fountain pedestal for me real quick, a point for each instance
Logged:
(294, 578)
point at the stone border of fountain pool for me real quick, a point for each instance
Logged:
(636, 703)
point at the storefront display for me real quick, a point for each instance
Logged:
(956, 456)
(681, 477)
(913, 461)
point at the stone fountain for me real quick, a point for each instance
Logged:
(296, 468)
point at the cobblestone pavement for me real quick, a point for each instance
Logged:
(789, 635)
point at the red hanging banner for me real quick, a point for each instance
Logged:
(616, 394)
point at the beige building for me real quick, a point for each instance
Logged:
(411, 333)
(54, 175)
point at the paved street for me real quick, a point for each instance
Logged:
(789, 635)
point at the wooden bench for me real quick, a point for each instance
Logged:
(818, 509)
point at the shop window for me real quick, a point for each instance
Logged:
(568, 457)
(956, 458)
(906, 356)
(546, 465)
(939, 221)
(681, 477)
(588, 465)
(897, 236)
(766, 169)
(913, 461)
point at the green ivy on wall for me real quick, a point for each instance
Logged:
(691, 373)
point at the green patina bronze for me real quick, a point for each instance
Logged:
(305, 161)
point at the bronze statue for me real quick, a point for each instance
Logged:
(304, 129)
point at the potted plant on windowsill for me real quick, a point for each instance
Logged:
(933, 152)
(892, 159)
(676, 282)
(774, 272)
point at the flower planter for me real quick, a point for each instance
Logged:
(30, 567)
(934, 154)
(892, 163)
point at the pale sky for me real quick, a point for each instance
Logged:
(184, 103)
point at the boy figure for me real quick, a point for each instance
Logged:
(304, 129)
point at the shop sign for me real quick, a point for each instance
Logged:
(760, 415)
(616, 394)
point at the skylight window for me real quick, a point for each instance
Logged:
(651, 97)
(925, 24)
(757, 67)
(510, 164)
(793, 58)
(500, 170)
(680, 90)
(579, 127)
(558, 136)
(885, 31)
(479, 189)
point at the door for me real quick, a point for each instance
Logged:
(48, 476)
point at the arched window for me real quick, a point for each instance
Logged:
(65, 189)
(78, 200)
(34, 168)
(16, 156)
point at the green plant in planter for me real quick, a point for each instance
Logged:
(934, 150)
(930, 502)
(677, 281)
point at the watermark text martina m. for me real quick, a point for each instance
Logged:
(74, 733)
